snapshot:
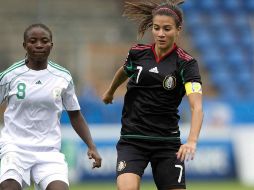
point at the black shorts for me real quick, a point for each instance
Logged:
(168, 171)
(133, 156)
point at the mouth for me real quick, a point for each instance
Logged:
(39, 52)
(161, 41)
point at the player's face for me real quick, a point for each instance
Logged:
(38, 44)
(164, 31)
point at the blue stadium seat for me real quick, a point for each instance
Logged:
(212, 59)
(207, 5)
(194, 19)
(231, 5)
(249, 5)
(217, 20)
(225, 38)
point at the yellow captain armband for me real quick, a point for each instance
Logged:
(193, 87)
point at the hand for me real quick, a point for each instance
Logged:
(187, 151)
(107, 97)
(93, 154)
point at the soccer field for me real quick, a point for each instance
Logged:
(228, 185)
(224, 185)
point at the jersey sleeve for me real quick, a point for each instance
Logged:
(190, 72)
(3, 89)
(128, 65)
(70, 100)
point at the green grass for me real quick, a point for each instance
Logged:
(228, 185)
(223, 185)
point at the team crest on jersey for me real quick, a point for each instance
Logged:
(169, 82)
(57, 93)
(121, 165)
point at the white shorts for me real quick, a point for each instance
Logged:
(42, 167)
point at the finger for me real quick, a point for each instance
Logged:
(179, 153)
(96, 164)
(192, 154)
(183, 156)
(89, 154)
(105, 101)
(108, 101)
(188, 155)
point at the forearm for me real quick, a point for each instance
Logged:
(119, 78)
(80, 126)
(196, 123)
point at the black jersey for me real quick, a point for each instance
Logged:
(154, 92)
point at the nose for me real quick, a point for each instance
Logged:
(39, 44)
(161, 33)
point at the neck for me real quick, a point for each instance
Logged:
(160, 52)
(36, 64)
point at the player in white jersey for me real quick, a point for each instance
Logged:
(36, 91)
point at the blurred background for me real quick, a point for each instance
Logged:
(92, 39)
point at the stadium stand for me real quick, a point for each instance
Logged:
(222, 33)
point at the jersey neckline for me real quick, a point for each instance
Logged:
(37, 71)
(158, 60)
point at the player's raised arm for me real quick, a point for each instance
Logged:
(118, 79)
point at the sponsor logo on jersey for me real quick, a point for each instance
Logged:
(154, 70)
(38, 82)
(121, 165)
(57, 93)
(169, 82)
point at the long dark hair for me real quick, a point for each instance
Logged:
(143, 12)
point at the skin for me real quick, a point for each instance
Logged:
(38, 45)
(165, 34)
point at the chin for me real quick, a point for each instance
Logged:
(164, 46)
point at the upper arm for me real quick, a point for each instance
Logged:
(70, 100)
(74, 115)
(190, 71)
(128, 66)
(4, 86)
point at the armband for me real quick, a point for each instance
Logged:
(193, 87)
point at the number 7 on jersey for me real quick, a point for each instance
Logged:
(139, 72)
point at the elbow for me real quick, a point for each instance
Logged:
(198, 110)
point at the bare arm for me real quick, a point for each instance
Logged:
(80, 126)
(118, 79)
(188, 150)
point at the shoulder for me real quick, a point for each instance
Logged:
(141, 47)
(59, 70)
(12, 71)
(183, 55)
(138, 50)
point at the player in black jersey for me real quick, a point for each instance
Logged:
(159, 74)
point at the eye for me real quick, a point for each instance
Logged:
(45, 41)
(156, 28)
(32, 41)
(167, 28)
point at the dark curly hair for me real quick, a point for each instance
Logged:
(37, 25)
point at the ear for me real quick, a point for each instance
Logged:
(179, 29)
(52, 44)
(24, 45)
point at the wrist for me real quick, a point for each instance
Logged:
(192, 140)
(111, 91)
(92, 146)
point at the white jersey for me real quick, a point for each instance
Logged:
(35, 103)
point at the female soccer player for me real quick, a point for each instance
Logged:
(37, 90)
(159, 74)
